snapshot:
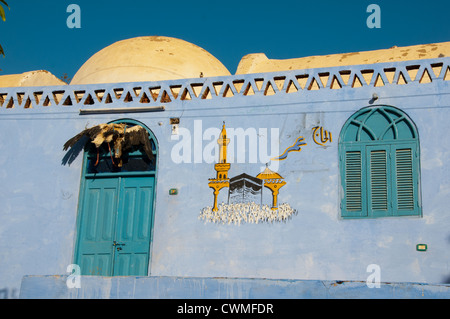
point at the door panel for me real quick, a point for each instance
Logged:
(131, 264)
(96, 264)
(134, 226)
(97, 228)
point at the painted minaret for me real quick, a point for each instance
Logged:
(222, 167)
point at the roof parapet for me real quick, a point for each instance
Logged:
(146, 94)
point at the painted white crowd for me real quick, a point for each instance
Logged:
(247, 213)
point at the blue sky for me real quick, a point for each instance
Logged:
(35, 35)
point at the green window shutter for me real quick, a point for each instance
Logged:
(353, 184)
(378, 180)
(353, 177)
(404, 176)
(405, 173)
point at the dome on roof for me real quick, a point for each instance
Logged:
(150, 58)
(32, 78)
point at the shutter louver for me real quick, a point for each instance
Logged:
(405, 185)
(353, 179)
(378, 180)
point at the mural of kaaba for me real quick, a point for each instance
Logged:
(245, 193)
(245, 189)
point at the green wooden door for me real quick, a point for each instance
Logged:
(115, 226)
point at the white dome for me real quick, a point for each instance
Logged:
(32, 78)
(151, 58)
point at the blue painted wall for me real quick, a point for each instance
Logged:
(93, 287)
(40, 195)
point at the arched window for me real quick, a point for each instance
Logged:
(379, 164)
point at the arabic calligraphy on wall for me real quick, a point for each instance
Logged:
(321, 136)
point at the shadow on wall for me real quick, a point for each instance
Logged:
(73, 152)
